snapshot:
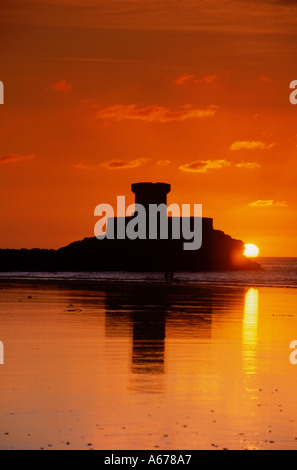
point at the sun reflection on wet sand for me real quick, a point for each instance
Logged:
(250, 331)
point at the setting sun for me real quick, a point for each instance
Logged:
(251, 251)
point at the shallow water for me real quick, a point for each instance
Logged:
(275, 272)
(142, 366)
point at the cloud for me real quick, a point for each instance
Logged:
(124, 164)
(190, 78)
(184, 78)
(262, 203)
(282, 204)
(154, 113)
(281, 2)
(268, 203)
(103, 60)
(13, 158)
(209, 78)
(163, 162)
(201, 166)
(264, 79)
(248, 165)
(113, 164)
(250, 145)
(62, 86)
(197, 15)
(82, 166)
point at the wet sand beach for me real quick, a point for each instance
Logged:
(146, 366)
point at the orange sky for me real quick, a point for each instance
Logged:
(100, 94)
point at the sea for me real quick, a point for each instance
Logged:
(276, 272)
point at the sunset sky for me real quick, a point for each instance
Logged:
(100, 94)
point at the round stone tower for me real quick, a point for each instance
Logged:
(150, 193)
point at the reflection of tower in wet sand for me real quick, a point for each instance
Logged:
(152, 314)
(142, 311)
(148, 341)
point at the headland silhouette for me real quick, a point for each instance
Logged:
(219, 251)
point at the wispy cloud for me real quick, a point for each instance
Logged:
(268, 203)
(264, 79)
(82, 166)
(115, 164)
(250, 145)
(62, 86)
(248, 165)
(14, 158)
(154, 113)
(199, 15)
(112, 60)
(202, 166)
(184, 78)
(163, 162)
(262, 203)
(124, 164)
(282, 204)
(281, 2)
(191, 79)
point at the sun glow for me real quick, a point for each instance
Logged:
(251, 251)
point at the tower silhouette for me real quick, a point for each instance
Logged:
(150, 193)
